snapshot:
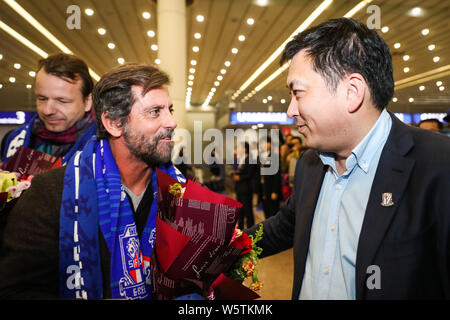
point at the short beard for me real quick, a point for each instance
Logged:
(146, 149)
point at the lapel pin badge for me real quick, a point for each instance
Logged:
(386, 199)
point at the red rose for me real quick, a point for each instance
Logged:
(244, 242)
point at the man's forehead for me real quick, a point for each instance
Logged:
(299, 64)
(139, 89)
(76, 80)
(152, 96)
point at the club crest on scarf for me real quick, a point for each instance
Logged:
(136, 269)
(97, 173)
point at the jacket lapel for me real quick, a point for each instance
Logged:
(309, 193)
(391, 177)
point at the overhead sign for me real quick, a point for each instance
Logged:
(429, 115)
(18, 117)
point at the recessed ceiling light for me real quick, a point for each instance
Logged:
(405, 69)
(241, 37)
(261, 3)
(234, 50)
(29, 86)
(416, 12)
(195, 49)
(421, 88)
(425, 31)
(436, 59)
(200, 18)
(101, 31)
(213, 89)
(405, 57)
(216, 83)
(441, 88)
(397, 45)
(191, 77)
(192, 70)
(283, 101)
(264, 101)
(250, 21)
(431, 47)
(111, 45)
(17, 66)
(197, 35)
(146, 15)
(157, 61)
(154, 47)
(385, 29)
(151, 33)
(269, 98)
(190, 83)
(1, 86)
(121, 60)
(223, 71)
(1, 56)
(193, 62)
(227, 63)
(219, 78)
(12, 79)
(394, 99)
(411, 99)
(32, 74)
(439, 83)
(89, 11)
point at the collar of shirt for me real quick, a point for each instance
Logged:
(364, 152)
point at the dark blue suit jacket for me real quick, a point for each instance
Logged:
(409, 241)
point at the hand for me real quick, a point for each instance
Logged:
(274, 196)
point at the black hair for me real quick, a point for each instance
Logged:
(439, 124)
(341, 46)
(68, 66)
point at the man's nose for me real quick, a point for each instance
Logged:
(48, 107)
(292, 110)
(169, 121)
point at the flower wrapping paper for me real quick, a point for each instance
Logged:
(23, 165)
(192, 248)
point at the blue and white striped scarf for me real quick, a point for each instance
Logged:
(22, 137)
(93, 199)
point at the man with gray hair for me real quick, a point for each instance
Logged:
(90, 226)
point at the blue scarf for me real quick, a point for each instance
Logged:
(22, 137)
(94, 172)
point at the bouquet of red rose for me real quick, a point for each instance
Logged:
(195, 242)
(245, 265)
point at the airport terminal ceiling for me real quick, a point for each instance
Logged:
(231, 45)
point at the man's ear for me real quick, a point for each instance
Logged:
(113, 126)
(88, 103)
(356, 91)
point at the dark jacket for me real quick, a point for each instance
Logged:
(29, 243)
(409, 241)
(246, 172)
